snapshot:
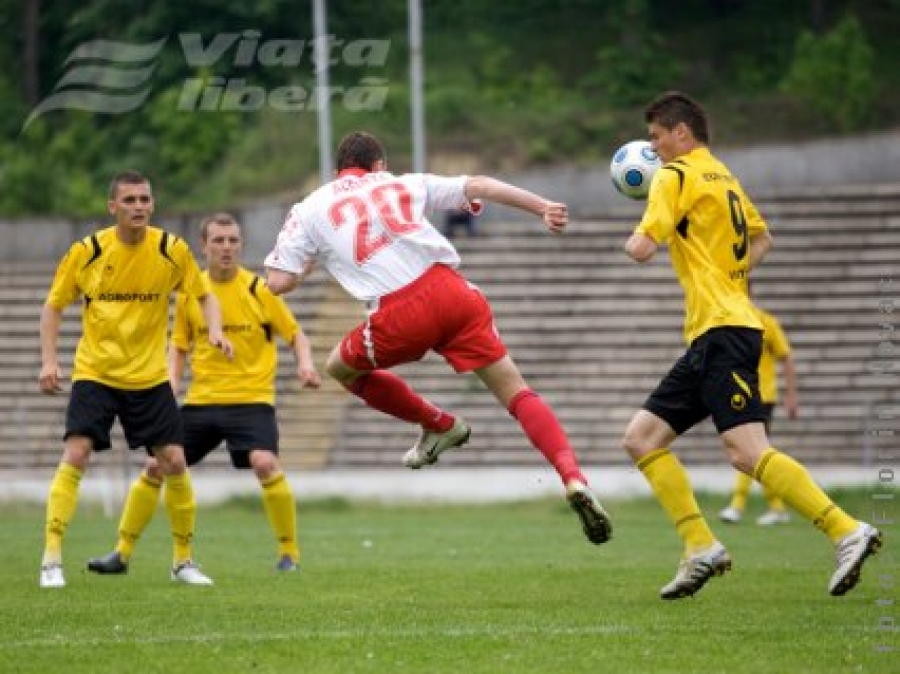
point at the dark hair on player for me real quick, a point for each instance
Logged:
(359, 150)
(674, 107)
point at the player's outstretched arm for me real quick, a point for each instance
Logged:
(554, 214)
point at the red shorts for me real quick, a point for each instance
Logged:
(440, 311)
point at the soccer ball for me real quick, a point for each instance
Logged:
(632, 167)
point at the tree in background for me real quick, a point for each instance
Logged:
(834, 75)
(509, 85)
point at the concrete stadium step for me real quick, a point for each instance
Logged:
(591, 331)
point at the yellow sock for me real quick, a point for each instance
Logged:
(775, 502)
(182, 509)
(786, 478)
(282, 513)
(742, 485)
(140, 506)
(672, 487)
(61, 504)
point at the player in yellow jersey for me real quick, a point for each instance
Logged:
(126, 274)
(230, 400)
(775, 348)
(715, 236)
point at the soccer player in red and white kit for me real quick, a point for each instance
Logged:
(368, 227)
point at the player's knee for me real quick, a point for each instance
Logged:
(77, 451)
(741, 459)
(334, 364)
(744, 449)
(742, 466)
(171, 461)
(636, 441)
(152, 470)
(338, 370)
(265, 464)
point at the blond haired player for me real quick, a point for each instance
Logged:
(227, 400)
(715, 236)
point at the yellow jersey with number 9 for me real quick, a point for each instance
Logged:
(700, 211)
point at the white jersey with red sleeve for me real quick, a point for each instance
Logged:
(370, 230)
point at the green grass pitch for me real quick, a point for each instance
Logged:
(499, 588)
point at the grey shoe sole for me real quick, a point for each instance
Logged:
(849, 581)
(431, 458)
(690, 589)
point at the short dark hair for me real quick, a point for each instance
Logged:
(216, 219)
(359, 150)
(129, 177)
(674, 107)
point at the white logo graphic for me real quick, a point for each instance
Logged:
(105, 77)
(113, 78)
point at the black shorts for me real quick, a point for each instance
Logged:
(149, 417)
(242, 427)
(716, 376)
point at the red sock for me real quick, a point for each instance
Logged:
(546, 434)
(388, 393)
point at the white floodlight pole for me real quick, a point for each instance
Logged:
(323, 97)
(415, 75)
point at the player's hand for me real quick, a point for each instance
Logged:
(556, 217)
(49, 379)
(793, 408)
(309, 377)
(222, 343)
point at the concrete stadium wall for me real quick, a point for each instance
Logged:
(862, 160)
(107, 485)
(855, 161)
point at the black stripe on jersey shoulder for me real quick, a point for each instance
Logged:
(681, 227)
(677, 170)
(165, 245)
(255, 284)
(96, 250)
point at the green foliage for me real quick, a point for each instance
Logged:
(835, 75)
(38, 175)
(510, 84)
(194, 141)
(637, 66)
(279, 154)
